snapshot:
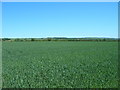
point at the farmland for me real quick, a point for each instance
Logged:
(60, 64)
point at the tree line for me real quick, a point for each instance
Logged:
(59, 39)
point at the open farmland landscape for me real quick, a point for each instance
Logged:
(63, 64)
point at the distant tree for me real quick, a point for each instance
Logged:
(48, 39)
(32, 39)
(17, 39)
(104, 39)
(6, 39)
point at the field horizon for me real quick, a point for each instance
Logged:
(59, 45)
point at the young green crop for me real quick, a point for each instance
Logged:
(60, 64)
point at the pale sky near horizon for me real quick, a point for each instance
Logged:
(59, 19)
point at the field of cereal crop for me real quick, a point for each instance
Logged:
(59, 64)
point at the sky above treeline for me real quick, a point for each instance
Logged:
(59, 19)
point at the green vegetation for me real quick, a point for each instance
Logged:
(59, 39)
(60, 64)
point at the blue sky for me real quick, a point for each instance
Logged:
(59, 19)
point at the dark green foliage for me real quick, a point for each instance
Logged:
(60, 64)
(32, 39)
(5, 39)
(60, 39)
(48, 39)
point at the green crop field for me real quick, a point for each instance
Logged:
(60, 64)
